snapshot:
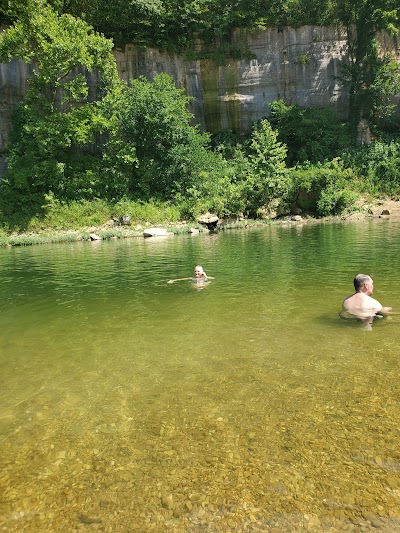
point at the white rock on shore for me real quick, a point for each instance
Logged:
(156, 232)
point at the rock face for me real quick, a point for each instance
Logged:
(299, 65)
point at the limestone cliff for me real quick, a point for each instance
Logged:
(299, 65)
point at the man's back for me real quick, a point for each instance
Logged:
(361, 305)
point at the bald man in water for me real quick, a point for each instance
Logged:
(360, 305)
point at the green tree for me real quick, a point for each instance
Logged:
(371, 79)
(171, 154)
(263, 163)
(57, 127)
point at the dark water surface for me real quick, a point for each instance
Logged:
(127, 404)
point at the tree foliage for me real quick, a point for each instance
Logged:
(372, 79)
(61, 49)
(175, 24)
(57, 127)
(310, 134)
(171, 153)
(122, 20)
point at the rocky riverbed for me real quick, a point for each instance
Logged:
(319, 457)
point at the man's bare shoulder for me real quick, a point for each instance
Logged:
(361, 305)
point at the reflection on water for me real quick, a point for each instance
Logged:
(128, 404)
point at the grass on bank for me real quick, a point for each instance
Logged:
(75, 221)
(79, 214)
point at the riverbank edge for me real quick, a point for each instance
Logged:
(383, 209)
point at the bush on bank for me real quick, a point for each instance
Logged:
(324, 189)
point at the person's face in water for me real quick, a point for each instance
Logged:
(198, 273)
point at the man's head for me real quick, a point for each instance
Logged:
(363, 283)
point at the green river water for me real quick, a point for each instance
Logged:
(127, 404)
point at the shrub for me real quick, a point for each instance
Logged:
(379, 164)
(324, 189)
(310, 134)
(153, 211)
(262, 168)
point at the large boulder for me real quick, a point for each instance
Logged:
(209, 220)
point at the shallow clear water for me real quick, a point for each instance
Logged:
(128, 404)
